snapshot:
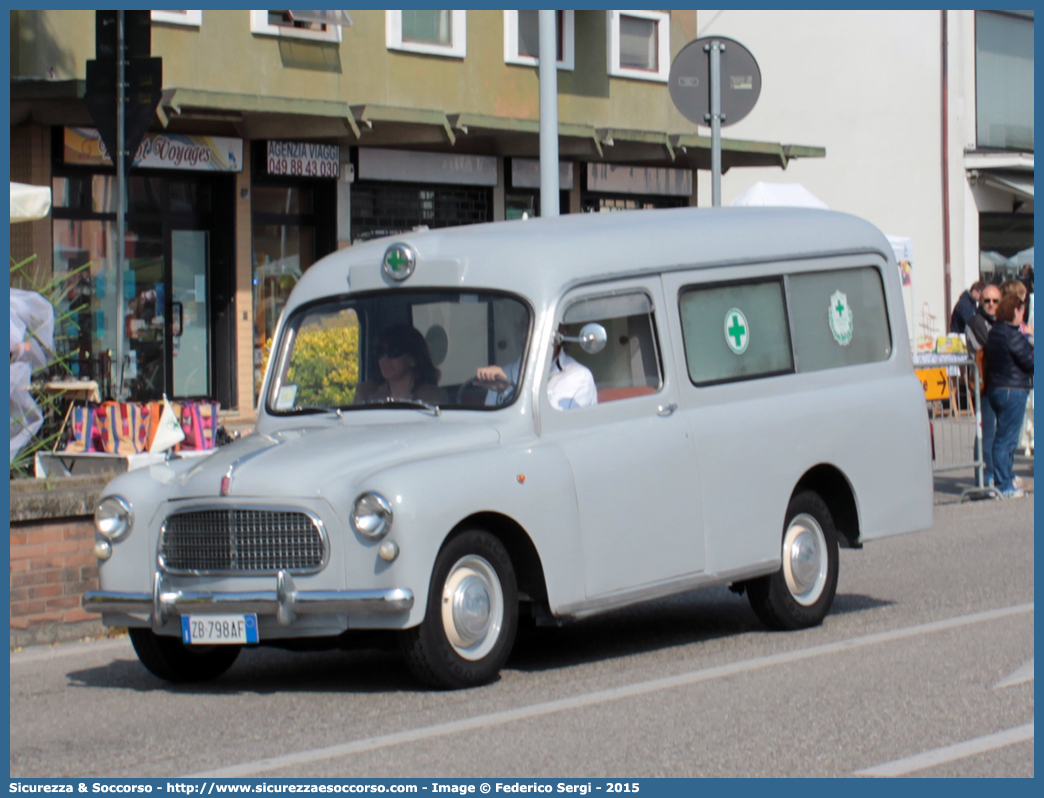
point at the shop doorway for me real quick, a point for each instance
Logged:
(178, 283)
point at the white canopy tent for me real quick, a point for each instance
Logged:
(29, 203)
(792, 195)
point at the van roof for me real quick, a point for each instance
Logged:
(538, 258)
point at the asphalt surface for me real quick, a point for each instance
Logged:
(908, 671)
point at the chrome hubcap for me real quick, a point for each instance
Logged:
(805, 561)
(472, 607)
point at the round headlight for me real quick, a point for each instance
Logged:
(113, 518)
(371, 515)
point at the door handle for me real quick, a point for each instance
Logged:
(666, 410)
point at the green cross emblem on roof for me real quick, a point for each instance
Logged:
(399, 261)
(737, 331)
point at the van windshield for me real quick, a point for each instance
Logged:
(426, 349)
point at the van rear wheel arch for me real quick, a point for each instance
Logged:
(833, 487)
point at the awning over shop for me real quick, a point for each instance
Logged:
(1006, 171)
(1019, 185)
(263, 116)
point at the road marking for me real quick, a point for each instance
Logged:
(1023, 674)
(950, 753)
(602, 696)
(63, 650)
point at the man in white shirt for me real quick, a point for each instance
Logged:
(570, 383)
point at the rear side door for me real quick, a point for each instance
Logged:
(631, 455)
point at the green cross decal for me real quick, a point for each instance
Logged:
(737, 330)
(396, 260)
(840, 308)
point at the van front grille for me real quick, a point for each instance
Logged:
(242, 540)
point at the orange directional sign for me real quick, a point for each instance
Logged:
(935, 384)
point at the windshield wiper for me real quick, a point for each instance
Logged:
(420, 404)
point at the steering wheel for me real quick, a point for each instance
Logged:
(508, 392)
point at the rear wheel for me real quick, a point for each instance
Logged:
(471, 618)
(800, 593)
(173, 661)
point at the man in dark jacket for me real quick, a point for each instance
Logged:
(978, 327)
(965, 307)
(977, 331)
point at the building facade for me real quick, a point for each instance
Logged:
(927, 117)
(282, 136)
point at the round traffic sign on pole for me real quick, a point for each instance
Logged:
(690, 81)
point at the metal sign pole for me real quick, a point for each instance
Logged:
(121, 196)
(548, 72)
(715, 116)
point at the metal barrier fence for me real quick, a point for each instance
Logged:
(952, 391)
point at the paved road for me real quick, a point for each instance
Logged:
(924, 667)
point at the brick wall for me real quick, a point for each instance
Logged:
(52, 566)
(52, 559)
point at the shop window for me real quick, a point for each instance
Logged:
(522, 38)
(1004, 79)
(427, 31)
(629, 365)
(639, 44)
(84, 261)
(194, 18)
(735, 332)
(323, 26)
(385, 208)
(284, 247)
(839, 318)
(592, 204)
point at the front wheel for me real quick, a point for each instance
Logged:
(472, 614)
(800, 593)
(173, 661)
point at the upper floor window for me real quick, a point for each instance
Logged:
(639, 44)
(178, 17)
(323, 26)
(427, 31)
(1004, 79)
(522, 38)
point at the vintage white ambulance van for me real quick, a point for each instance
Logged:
(549, 419)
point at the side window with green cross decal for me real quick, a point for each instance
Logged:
(735, 332)
(840, 318)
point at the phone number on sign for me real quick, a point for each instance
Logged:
(301, 166)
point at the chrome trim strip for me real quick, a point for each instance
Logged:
(316, 521)
(622, 598)
(262, 602)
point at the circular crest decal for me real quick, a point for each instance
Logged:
(737, 331)
(840, 316)
(399, 261)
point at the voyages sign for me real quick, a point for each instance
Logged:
(159, 151)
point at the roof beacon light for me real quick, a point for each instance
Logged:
(399, 261)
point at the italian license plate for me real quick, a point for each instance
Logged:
(218, 629)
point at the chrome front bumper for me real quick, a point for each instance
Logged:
(286, 602)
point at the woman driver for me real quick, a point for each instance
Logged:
(406, 369)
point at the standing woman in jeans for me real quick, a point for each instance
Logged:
(1009, 377)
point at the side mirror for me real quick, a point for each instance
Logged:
(592, 338)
